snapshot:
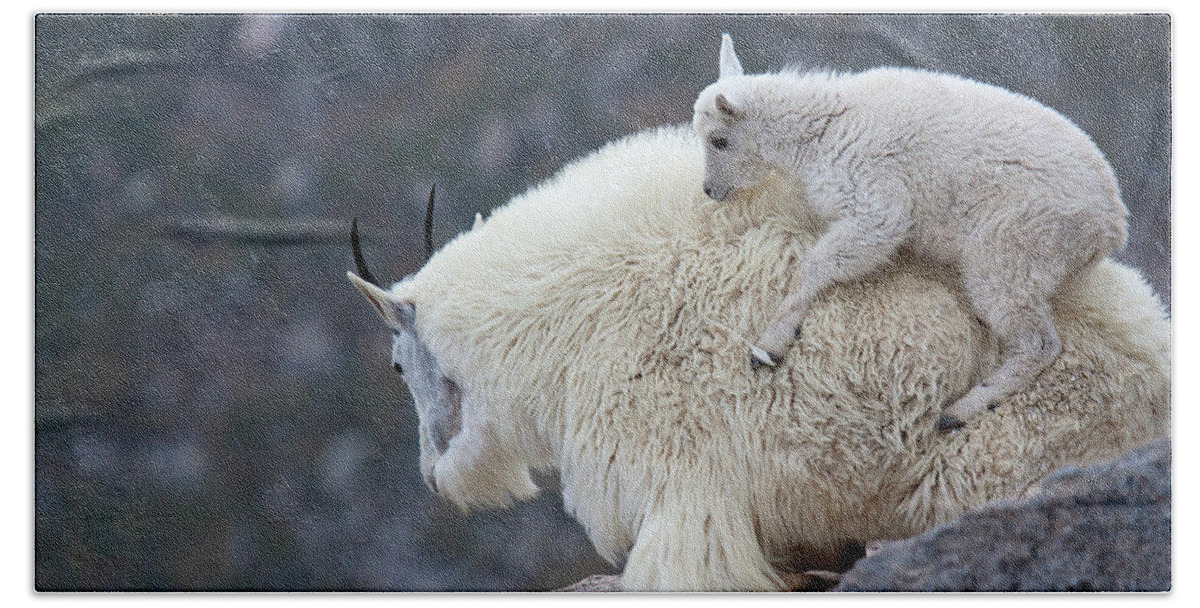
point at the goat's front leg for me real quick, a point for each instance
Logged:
(687, 545)
(865, 237)
(481, 467)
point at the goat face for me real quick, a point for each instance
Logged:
(437, 398)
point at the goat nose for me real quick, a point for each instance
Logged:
(708, 191)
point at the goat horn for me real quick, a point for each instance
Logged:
(359, 262)
(429, 224)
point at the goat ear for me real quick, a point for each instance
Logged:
(730, 66)
(396, 313)
(727, 108)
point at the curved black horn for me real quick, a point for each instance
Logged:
(359, 262)
(429, 224)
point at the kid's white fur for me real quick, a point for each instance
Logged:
(1002, 189)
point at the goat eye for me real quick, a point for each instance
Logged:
(396, 366)
(719, 143)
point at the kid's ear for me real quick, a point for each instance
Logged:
(730, 66)
(727, 108)
(396, 313)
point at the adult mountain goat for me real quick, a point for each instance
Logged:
(595, 326)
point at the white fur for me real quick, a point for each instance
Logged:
(993, 184)
(590, 325)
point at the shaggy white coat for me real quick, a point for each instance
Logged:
(587, 324)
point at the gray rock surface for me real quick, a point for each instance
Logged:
(1106, 527)
(595, 583)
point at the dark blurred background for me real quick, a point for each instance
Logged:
(213, 404)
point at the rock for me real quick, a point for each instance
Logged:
(1106, 527)
(595, 582)
(813, 580)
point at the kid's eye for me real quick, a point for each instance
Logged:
(719, 143)
(399, 370)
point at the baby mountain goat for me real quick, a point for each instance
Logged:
(581, 329)
(994, 185)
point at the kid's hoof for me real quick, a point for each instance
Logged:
(949, 423)
(759, 358)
